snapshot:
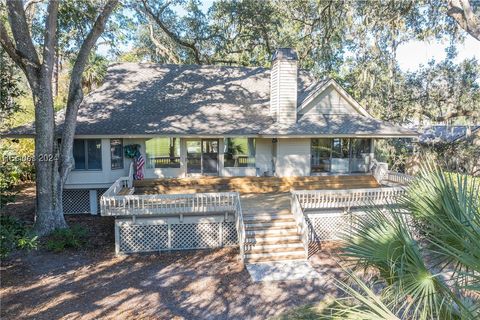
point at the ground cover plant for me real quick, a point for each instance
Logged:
(427, 273)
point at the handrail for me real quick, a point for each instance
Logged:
(302, 224)
(400, 178)
(329, 199)
(239, 224)
(130, 176)
(164, 204)
(380, 170)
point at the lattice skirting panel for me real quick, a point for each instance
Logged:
(331, 226)
(78, 200)
(159, 235)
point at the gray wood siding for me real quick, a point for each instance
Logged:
(293, 157)
(329, 102)
(283, 91)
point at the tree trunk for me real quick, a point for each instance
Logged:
(49, 214)
(52, 162)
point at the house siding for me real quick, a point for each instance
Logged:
(283, 88)
(293, 157)
(328, 102)
(98, 178)
(263, 156)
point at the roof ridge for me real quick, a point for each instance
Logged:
(116, 64)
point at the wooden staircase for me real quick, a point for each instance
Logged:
(272, 237)
(245, 185)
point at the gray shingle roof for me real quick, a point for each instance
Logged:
(153, 99)
(338, 124)
(445, 134)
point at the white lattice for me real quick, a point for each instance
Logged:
(195, 235)
(329, 227)
(147, 237)
(76, 201)
(143, 238)
(229, 234)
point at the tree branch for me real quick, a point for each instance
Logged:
(22, 37)
(170, 34)
(462, 12)
(30, 3)
(50, 38)
(163, 50)
(9, 47)
(450, 115)
(75, 94)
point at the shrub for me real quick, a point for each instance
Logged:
(68, 238)
(432, 274)
(15, 235)
(15, 167)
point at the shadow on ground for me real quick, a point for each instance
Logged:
(206, 284)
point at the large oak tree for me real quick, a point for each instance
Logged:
(53, 161)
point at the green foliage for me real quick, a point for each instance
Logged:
(433, 274)
(14, 169)
(15, 235)
(10, 89)
(95, 71)
(395, 152)
(74, 237)
(443, 88)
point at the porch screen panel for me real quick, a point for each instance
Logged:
(340, 156)
(79, 154)
(163, 153)
(360, 160)
(116, 153)
(321, 153)
(239, 152)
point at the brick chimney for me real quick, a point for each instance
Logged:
(283, 85)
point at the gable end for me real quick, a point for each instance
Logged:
(331, 98)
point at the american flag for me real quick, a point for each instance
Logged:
(140, 163)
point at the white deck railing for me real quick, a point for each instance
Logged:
(325, 214)
(241, 233)
(400, 178)
(346, 199)
(164, 204)
(120, 183)
(175, 204)
(302, 224)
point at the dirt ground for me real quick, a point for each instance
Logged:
(93, 283)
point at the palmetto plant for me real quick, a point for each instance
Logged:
(422, 256)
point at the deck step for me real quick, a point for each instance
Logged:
(274, 247)
(271, 232)
(267, 218)
(274, 256)
(258, 225)
(252, 240)
(255, 250)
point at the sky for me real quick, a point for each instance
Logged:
(410, 55)
(415, 53)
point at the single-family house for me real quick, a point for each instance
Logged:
(194, 121)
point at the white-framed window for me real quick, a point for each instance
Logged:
(163, 152)
(239, 152)
(87, 154)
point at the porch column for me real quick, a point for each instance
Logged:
(221, 157)
(372, 151)
(183, 157)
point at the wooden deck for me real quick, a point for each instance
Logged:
(245, 185)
